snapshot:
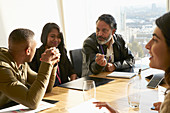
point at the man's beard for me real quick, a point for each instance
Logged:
(105, 39)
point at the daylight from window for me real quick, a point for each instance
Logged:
(135, 21)
(137, 25)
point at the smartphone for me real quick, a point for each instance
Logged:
(153, 108)
(155, 80)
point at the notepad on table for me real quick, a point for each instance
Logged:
(23, 109)
(88, 107)
(117, 74)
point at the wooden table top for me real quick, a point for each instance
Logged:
(114, 92)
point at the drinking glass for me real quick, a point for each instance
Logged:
(134, 94)
(89, 90)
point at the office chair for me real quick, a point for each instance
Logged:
(76, 59)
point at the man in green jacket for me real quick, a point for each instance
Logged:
(18, 82)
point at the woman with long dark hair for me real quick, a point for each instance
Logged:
(52, 37)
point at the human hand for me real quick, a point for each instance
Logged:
(100, 60)
(157, 105)
(73, 77)
(51, 55)
(106, 105)
(110, 67)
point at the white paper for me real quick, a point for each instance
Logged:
(23, 109)
(87, 107)
(121, 74)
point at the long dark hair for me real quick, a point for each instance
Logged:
(163, 23)
(46, 30)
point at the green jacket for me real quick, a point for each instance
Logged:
(14, 81)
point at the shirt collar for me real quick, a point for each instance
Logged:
(111, 42)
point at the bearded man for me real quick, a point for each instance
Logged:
(105, 50)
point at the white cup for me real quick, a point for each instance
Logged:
(89, 90)
(133, 92)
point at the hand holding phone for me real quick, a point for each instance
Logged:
(156, 106)
(153, 108)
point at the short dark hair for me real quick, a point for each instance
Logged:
(163, 23)
(109, 19)
(20, 35)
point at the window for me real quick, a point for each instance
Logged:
(31, 14)
(135, 19)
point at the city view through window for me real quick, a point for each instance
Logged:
(135, 21)
(137, 26)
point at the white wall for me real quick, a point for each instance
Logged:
(80, 18)
(31, 14)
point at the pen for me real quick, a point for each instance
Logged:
(145, 69)
(108, 55)
(98, 49)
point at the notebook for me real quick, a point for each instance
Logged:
(88, 107)
(117, 74)
(23, 109)
(78, 83)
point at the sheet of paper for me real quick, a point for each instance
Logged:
(87, 107)
(22, 109)
(121, 74)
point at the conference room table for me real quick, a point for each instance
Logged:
(114, 92)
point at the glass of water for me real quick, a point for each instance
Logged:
(133, 93)
(89, 90)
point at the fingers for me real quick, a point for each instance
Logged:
(100, 60)
(100, 104)
(106, 105)
(157, 105)
(55, 60)
(110, 67)
(51, 55)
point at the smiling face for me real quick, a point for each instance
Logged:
(159, 51)
(53, 39)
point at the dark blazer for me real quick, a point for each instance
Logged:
(65, 66)
(123, 58)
